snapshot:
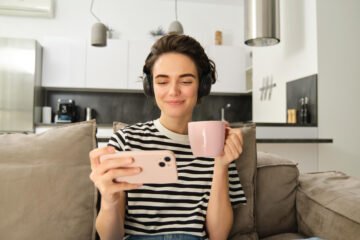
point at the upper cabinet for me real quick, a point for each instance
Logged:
(63, 62)
(119, 65)
(107, 67)
(138, 51)
(230, 67)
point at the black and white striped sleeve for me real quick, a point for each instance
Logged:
(236, 192)
(118, 141)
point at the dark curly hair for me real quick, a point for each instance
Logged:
(188, 46)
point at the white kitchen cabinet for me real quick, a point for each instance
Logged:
(107, 67)
(138, 51)
(230, 67)
(63, 62)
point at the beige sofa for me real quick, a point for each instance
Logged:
(45, 191)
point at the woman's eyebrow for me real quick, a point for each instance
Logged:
(181, 76)
(187, 75)
(161, 76)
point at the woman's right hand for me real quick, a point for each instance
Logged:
(103, 175)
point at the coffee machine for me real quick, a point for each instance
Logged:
(66, 111)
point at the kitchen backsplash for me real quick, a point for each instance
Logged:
(300, 89)
(136, 107)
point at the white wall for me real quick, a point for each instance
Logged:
(339, 84)
(305, 154)
(132, 19)
(294, 57)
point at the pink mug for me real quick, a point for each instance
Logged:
(207, 138)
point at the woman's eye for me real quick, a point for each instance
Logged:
(161, 82)
(187, 82)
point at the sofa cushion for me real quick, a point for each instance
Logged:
(277, 180)
(45, 190)
(285, 236)
(328, 205)
(118, 125)
(244, 219)
(244, 216)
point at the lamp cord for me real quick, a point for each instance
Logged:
(91, 11)
(176, 17)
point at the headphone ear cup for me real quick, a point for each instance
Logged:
(147, 85)
(205, 86)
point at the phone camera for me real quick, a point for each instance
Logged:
(167, 159)
(161, 164)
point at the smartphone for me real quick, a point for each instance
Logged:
(158, 166)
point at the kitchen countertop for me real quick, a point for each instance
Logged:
(263, 124)
(279, 133)
(269, 140)
(233, 124)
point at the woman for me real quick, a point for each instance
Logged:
(177, 73)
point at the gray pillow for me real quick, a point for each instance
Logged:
(45, 190)
(119, 125)
(244, 215)
(277, 181)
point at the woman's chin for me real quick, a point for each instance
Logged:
(175, 113)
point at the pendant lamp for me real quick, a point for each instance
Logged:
(262, 24)
(99, 31)
(176, 27)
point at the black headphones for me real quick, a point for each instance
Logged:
(204, 86)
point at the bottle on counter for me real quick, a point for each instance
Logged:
(218, 38)
(307, 119)
(304, 115)
(291, 114)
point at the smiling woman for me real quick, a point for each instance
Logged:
(175, 87)
(177, 73)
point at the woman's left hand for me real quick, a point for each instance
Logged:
(233, 147)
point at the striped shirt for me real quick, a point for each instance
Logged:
(156, 209)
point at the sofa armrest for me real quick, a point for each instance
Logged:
(276, 184)
(328, 205)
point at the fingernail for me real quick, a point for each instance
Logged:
(110, 149)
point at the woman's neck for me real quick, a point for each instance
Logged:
(177, 125)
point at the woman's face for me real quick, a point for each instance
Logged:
(176, 83)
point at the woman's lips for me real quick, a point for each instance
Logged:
(177, 102)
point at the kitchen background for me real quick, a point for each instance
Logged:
(136, 107)
(317, 38)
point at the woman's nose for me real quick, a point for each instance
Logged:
(174, 89)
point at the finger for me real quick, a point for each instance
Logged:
(237, 132)
(121, 172)
(113, 164)
(234, 141)
(235, 136)
(228, 154)
(231, 149)
(95, 154)
(116, 187)
(239, 135)
(125, 186)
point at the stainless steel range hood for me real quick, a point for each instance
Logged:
(262, 24)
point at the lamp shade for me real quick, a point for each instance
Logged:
(176, 27)
(98, 35)
(262, 24)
